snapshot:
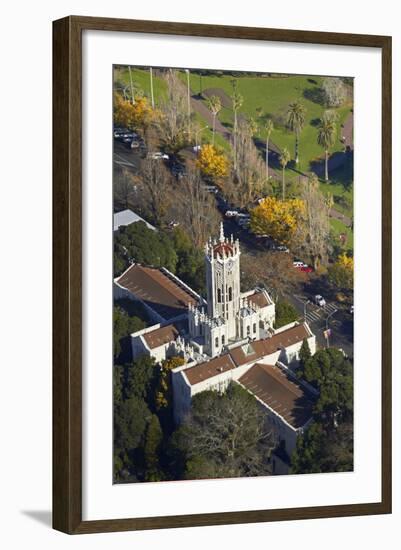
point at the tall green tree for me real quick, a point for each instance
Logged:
(304, 355)
(296, 121)
(214, 104)
(153, 440)
(326, 138)
(284, 160)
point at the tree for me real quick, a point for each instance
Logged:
(237, 101)
(214, 104)
(146, 246)
(284, 160)
(285, 314)
(197, 208)
(190, 260)
(278, 218)
(313, 237)
(304, 355)
(153, 440)
(130, 420)
(123, 326)
(248, 178)
(163, 395)
(134, 116)
(296, 121)
(326, 138)
(269, 127)
(173, 119)
(341, 273)
(334, 91)
(123, 189)
(212, 162)
(141, 377)
(226, 435)
(271, 270)
(154, 178)
(327, 446)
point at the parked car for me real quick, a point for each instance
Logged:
(243, 222)
(173, 224)
(157, 155)
(231, 213)
(282, 248)
(319, 300)
(298, 263)
(306, 269)
(118, 132)
(196, 148)
(351, 310)
(210, 189)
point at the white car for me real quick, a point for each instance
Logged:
(351, 310)
(231, 213)
(158, 155)
(319, 300)
(297, 263)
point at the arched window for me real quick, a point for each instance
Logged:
(222, 340)
(230, 294)
(216, 343)
(219, 295)
(254, 328)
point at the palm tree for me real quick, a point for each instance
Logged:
(237, 101)
(269, 127)
(214, 105)
(296, 121)
(284, 160)
(326, 138)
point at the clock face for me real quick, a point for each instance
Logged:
(230, 265)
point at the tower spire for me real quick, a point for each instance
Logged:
(221, 232)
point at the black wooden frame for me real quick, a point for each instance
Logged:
(67, 274)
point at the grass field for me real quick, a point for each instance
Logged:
(339, 228)
(273, 95)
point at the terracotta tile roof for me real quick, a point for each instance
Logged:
(286, 397)
(211, 368)
(223, 248)
(157, 290)
(259, 298)
(160, 336)
(260, 348)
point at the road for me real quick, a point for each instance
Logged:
(125, 157)
(340, 322)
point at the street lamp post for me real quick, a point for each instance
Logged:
(327, 326)
(132, 86)
(189, 104)
(305, 304)
(151, 87)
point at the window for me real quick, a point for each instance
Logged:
(219, 295)
(230, 293)
(216, 343)
(248, 330)
(222, 340)
(254, 328)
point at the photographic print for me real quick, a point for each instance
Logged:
(233, 274)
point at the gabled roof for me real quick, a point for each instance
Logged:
(160, 336)
(157, 290)
(253, 351)
(286, 397)
(209, 369)
(259, 298)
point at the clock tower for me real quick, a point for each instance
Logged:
(222, 258)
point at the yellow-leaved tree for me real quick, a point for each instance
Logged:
(280, 219)
(132, 115)
(212, 162)
(163, 391)
(341, 273)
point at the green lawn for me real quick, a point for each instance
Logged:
(141, 82)
(273, 94)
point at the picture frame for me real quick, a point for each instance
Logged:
(67, 274)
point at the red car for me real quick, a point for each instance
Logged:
(306, 269)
